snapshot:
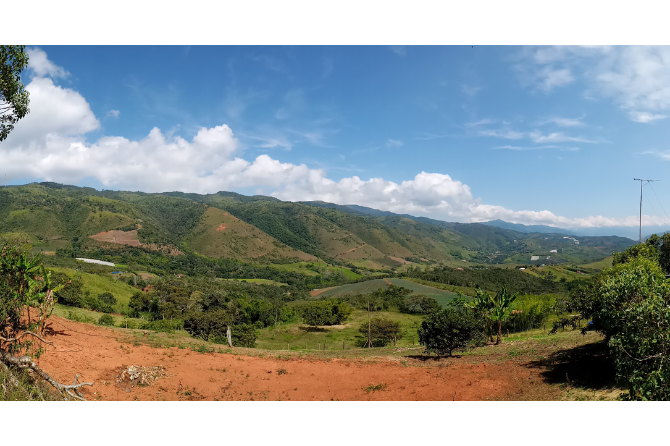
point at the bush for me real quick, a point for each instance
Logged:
(453, 328)
(382, 331)
(106, 319)
(244, 335)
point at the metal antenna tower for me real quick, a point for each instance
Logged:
(641, 183)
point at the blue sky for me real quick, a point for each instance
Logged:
(535, 135)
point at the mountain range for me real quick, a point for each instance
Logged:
(264, 230)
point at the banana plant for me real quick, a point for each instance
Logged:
(502, 308)
(482, 305)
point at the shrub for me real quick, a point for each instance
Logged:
(382, 331)
(106, 319)
(453, 328)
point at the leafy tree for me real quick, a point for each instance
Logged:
(107, 301)
(502, 309)
(325, 312)
(646, 250)
(418, 304)
(14, 99)
(629, 304)
(382, 331)
(106, 319)
(449, 329)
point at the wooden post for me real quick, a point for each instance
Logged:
(288, 346)
(412, 339)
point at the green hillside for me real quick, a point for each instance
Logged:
(264, 230)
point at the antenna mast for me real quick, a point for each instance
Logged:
(648, 181)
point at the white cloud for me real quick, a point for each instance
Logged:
(42, 66)
(480, 122)
(550, 78)
(506, 134)
(564, 122)
(645, 116)
(539, 138)
(53, 111)
(665, 156)
(400, 50)
(636, 78)
(394, 143)
(113, 113)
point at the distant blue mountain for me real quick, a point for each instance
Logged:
(528, 228)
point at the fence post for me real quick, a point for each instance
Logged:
(412, 339)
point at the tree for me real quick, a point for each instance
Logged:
(107, 302)
(381, 330)
(14, 99)
(502, 309)
(325, 312)
(25, 284)
(628, 303)
(418, 304)
(449, 329)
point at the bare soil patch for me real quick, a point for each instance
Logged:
(129, 238)
(102, 354)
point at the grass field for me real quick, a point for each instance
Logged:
(98, 284)
(601, 265)
(314, 268)
(301, 337)
(442, 296)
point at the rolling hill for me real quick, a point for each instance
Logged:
(264, 230)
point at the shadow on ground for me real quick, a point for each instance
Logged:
(586, 367)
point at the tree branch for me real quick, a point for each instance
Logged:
(27, 333)
(26, 363)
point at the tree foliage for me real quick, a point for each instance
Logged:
(628, 303)
(382, 331)
(14, 99)
(451, 329)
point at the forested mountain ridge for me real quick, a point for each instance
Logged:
(260, 229)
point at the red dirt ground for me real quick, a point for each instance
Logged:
(119, 237)
(96, 354)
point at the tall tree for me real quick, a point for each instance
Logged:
(13, 97)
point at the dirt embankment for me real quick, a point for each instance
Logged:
(100, 355)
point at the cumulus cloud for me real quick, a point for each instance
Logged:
(50, 143)
(42, 66)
